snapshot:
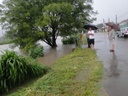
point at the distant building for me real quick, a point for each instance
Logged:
(102, 27)
(123, 24)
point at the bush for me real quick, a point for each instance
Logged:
(16, 69)
(36, 51)
(69, 40)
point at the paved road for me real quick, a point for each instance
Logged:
(115, 81)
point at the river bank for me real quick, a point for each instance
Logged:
(76, 74)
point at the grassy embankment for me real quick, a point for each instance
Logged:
(76, 74)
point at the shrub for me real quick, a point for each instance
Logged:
(16, 69)
(69, 40)
(36, 51)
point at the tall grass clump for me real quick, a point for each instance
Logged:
(16, 69)
(69, 40)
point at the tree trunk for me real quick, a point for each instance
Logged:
(54, 44)
(54, 38)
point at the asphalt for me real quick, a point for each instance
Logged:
(115, 80)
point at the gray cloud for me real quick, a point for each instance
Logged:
(111, 8)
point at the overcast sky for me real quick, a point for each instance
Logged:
(109, 9)
(1, 1)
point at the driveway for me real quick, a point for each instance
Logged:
(115, 81)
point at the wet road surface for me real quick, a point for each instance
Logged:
(115, 81)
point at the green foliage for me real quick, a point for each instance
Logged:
(28, 21)
(53, 20)
(36, 51)
(77, 74)
(16, 69)
(70, 39)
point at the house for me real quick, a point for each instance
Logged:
(101, 27)
(123, 24)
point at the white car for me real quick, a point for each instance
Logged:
(123, 32)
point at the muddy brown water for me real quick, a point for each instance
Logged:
(50, 54)
(9, 47)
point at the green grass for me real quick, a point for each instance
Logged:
(76, 74)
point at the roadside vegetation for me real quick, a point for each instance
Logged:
(15, 69)
(76, 74)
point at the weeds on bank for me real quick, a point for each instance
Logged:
(15, 69)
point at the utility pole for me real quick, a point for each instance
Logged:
(103, 20)
(108, 19)
(116, 19)
(103, 25)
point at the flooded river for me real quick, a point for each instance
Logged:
(50, 54)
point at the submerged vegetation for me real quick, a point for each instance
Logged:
(36, 51)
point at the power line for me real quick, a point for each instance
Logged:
(123, 14)
(118, 18)
(122, 17)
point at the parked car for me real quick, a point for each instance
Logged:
(123, 32)
(120, 34)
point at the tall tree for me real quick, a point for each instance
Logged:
(55, 17)
(28, 21)
(18, 19)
